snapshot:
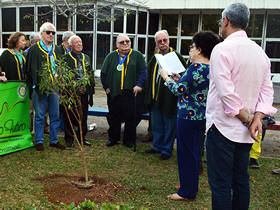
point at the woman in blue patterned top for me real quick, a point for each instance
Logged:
(191, 89)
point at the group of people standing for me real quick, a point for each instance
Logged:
(224, 92)
(17, 65)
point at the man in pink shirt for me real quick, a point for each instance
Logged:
(240, 95)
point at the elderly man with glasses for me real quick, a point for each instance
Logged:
(44, 52)
(161, 102)
(123, 76)
(240, 95)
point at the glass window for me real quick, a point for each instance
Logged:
(87, 43)
(26, 15)
(118, 24)
(141, 45)
(8, 16)
(62, 23)
(273, 26)
(275, 67)
(103, 48)
(59, 39)
(189, 25)
(104, 19)
(185, 44)
(45, 14)
(151, 48)
(84, 24)
(273, 49)
(142, 22)
(5, 40)
(130, 27)
(259, 42)
(173, 43)
(255, 26)
(210, 22)
(153, 23)
(170, 23)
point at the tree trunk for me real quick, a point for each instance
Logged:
(83, 152)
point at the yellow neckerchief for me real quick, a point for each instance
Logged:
(18, 66)
(48, 59)
(154, 79)
(124, 70)
(76, 62)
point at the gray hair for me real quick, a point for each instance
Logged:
(238, 15)
(161, 31)
(45, 26)
(66, 35)
(71, 38)
(121, 35)
(32, 36)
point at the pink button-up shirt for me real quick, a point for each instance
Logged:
(239, 78)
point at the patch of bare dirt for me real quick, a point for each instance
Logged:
(60, 189)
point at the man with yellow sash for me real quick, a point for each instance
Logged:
(79, 61)
(44, 52)
(161, 102)
(123, 77)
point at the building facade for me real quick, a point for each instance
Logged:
(181, 18)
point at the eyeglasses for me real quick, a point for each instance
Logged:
(50, 32)
(125, 41)
(161, 41)
(220, 22)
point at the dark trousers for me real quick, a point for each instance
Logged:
(227, 165)
(69, 138)
(188, 155)
(122, 109)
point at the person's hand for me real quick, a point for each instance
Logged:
(175, 77)
(256, 126)
(136, 90)
(163, 73)
(3, 78)
(107, 91)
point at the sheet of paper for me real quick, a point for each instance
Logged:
(170, 62)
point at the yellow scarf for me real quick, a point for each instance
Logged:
(154, 80)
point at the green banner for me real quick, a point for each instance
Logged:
(14, 117)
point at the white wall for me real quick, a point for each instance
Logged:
(210, 4)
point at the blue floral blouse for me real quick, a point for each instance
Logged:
(192, 89)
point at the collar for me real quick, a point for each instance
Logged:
(236, 34)
(77, 56)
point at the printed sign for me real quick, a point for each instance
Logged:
(14, 117)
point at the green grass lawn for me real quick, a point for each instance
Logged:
(149, 180)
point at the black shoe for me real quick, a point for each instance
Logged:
(69, 142)
(151, 151)
(164, 157)
(39, 147)
(128, 144)
(86, 143)
(71, 145)
(110, 143)
(253, 163)
(58, 146)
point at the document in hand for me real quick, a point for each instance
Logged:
(170, 62)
